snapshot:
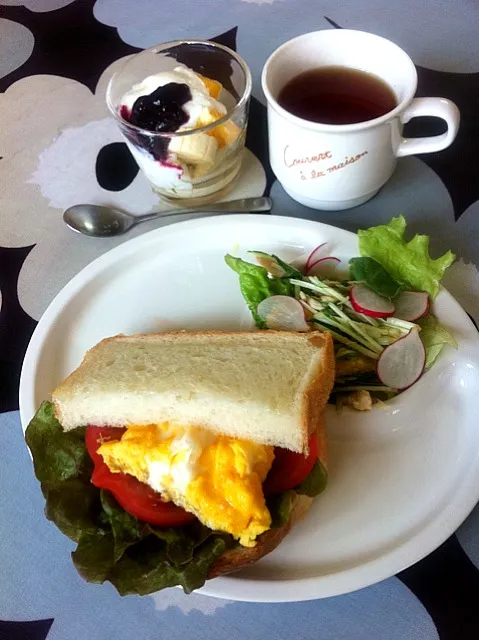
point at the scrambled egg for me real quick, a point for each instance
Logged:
(217, 478)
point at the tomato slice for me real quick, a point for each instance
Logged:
(289, 469)
(137, 498)
(96, 436)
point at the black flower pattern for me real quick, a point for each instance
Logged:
(75, 44)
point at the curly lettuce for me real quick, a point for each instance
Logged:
(434, 337)
(408, 263)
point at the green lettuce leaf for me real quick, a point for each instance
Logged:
(374, 275)
(146, 566)
(280, 507)
(126, 530)
(408, 263)
(94, 557)
(63, 466)
(256, 285)
(57, 456)
(74, 506)
(315, 483)
(181, 542)
(434, 337)
(151, 571)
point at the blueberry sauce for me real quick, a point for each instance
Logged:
(160, 111)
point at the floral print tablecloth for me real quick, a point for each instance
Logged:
(59, 147)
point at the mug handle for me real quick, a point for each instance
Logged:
(438, 108)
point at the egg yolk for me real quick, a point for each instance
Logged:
(217, 478)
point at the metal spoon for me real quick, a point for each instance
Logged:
(102, 222)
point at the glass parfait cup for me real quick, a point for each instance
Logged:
(188, 166)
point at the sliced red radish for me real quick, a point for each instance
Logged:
(411, 305)
(314, 255)
(365, 300)
(402, 362)
(324, 267)
(269, 263)
(283, 313)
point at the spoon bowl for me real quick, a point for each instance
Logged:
(98, 221)
(104, 222)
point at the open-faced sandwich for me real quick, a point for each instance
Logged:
(178, 457)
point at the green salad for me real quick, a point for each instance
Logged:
(379, 314)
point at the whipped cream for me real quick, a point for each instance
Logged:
(163, 175)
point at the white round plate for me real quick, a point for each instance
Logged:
(401, 478)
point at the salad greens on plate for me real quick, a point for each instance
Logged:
(380, 317)
(406, 262)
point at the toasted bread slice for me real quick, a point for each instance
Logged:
(266, 386)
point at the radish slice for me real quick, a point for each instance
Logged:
(323, 268)
(402, 362)
(411, 305)
(283, 314)
(365, 300)
(314, 255)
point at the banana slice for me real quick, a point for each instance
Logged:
(198, 150)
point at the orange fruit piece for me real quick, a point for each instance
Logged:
(214, 87)
(225, 133)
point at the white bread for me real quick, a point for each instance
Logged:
(266, 386)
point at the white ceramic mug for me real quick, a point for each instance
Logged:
(329, 167)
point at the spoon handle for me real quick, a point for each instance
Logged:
(242, 205)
